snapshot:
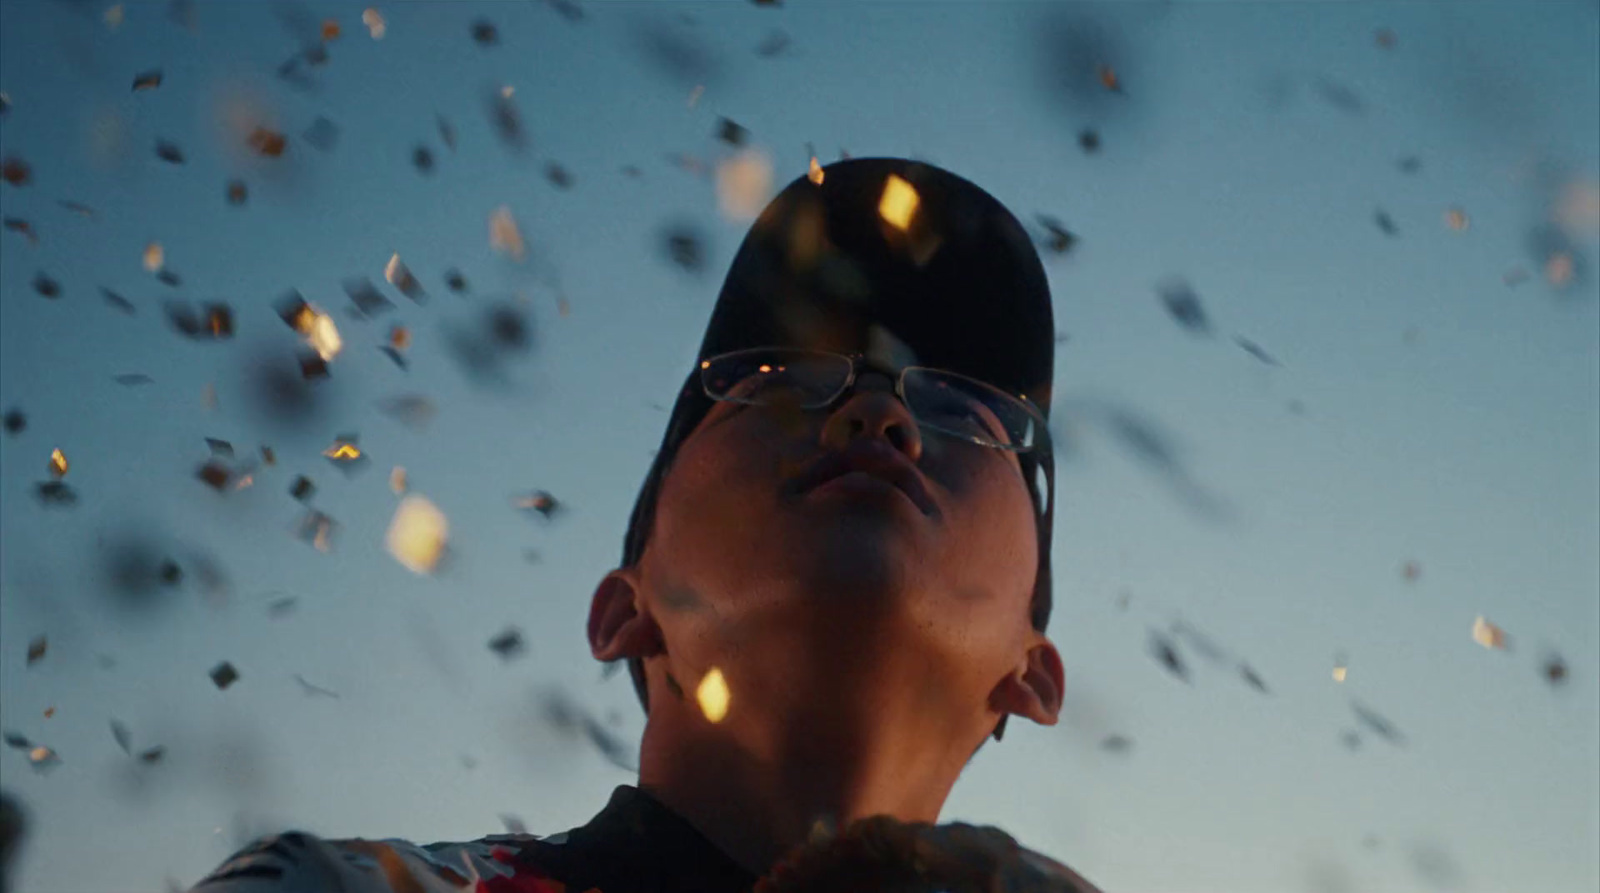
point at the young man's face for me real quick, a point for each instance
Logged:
(742, 560)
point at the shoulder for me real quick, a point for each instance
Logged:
(297, 862)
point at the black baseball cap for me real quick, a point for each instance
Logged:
(874, 254)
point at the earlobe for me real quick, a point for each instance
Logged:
(1036, 690)
(618, 628)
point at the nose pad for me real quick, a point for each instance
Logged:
(875, 414)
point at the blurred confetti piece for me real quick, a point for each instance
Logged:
(152, 755)
(1108, 79)
(898, 203)
(55, 493)
(1577, 209)
(1456, 219)
(215, 475)
(330, 30)
(1377, 724)
(374, 22)
(1386, 223)
(1385, 38)
(16, 171)
(422, 159)
(1554, 670)
(814, 171)
(1411, 571)
(513, 824)
(394, 355)
(133, 379)
(1057, 239)
(148, 80)
(49, 712)
(506, 119)
(268, 456)
(397, 479)
(323, 335)
(238, 193)
(219, 447)
(169, 152)
(208, 397)
(224, 675)
(36, 649)
(282, 607)
(400, 277)
(154, 257)
(1253, 679)
(1183, 305)
(1351, 739)
(418, 535)
(322, 135)
(1410, 164)
(367, 298)
(1340, 668)
(774, 43)
(1166, 651)
(1558, 269)
(1116, 744)
(744, 182)
(46, 286)
(484, 33)
(685, 247)
(58, 463)
(113, 16)
(455, 281)
(78, 208)
(317, 529)
(345, 454)
(504, 236)
(541, 502)
(124, 739)
(695, 94)
(399, 337)
(712, 695)
(302, 488)
(18, 225)
(267, 142)
(5, 102)
(215, 321)
(507, 644)
(1255, 350)
(168, 277)
(558, 176)
(447, 133)
(731, 132)
(312, 366)
(412, 410)
(117, 301)
(15, 421)
(1089, 141)
(313, 690)
(43, 758)
(1488, 635)
(20, 742)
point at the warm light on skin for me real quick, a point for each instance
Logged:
(899, 202)
(713, 696)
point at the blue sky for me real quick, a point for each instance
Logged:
(1424, 411)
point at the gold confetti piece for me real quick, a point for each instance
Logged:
(148, 80)
(49, 712)
(323, 336)
(154, 257)
(1108, 79)
(712, 694)
(1488, 635)
(343, 451)
(16, 172)
(899, 202)
(374, 22)
(58, 463)
(268, 142)
(1578, 209)
(504, 235)
(113, 17)
(814, 174)
(397, 480)
(507, 91)
(399, 276)
(1456, 219)
(417, 535)
(695, 94)
(237, 192)
(36, 650)
(208, 397)
(42, 757)
(744, 182)
(1339, 672)
(1558, 269)
(1411, 571)
(330, 30)
(399, 337)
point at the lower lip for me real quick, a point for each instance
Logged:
(860, 482)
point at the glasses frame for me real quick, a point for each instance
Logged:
(858, 361)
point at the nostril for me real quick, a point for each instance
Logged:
(899, 437)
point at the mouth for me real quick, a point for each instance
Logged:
(867, 467)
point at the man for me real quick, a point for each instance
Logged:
(836, 578)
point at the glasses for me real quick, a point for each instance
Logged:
(942, 401)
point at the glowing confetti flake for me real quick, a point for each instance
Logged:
(375, 23)
(504, 235)
(323, 336)
(1488, 635)
(814, 172)
(1456, 219)
(713, 696)
(417, 535)
(154, 257)
(58, 463)
(744, 182)
(397, 479)
(899, 202)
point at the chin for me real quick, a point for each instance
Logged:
(859, 556)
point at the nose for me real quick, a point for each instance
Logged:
(873, 410)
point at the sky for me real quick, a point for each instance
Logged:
(1416, 447)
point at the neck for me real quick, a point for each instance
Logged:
(757, 782)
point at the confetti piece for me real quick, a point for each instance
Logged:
(113, 17)
(1166, 651)
(16, 172)
(282, 607)
(1351, 739)
(82, 210)
(43, 758)
(55, 493)
(208, 397)
(49, 712)
(418, 534)
(238, 193)
(1255, 350)
(313, 690)
(774, 43)
(124, 739)
(1251, 677)
(814, 171)
(1411, 571)
(148, 80)
(36, 649)
(224, 675)
(215, 475)
(394, 355)
(1116, 744)
(541, 502)
(1377, 724)
(1386, 223)
(400, 277)
(268, 142)
(219, 447)
(18, 225)
(1456, 219)
(558, 176)
(504, 236)
(712, 694)
(322, 135)
(330, 30)
(345, 454)
(397, 479)
(731, 132)
(15, 422)
(455, 281)
(46, 286)
(399, 337)
(484, 33)
(744, 183)
(374, 22)
(1057, 239)
(422, 159)
(1559, 269)
(1554, 670)
(1340, 668)
(214, 323)
(898, 203)
(5, 102)
(1385, 38)
(317, 529)
(168, 277)
(152, 755)
(302, 488)
(58, 463)
(313, 367)
(367, 298)
(154, 257)
(412, 410)
(507, 644)
(1410, 164)
(1184, 306)
(133, 379)
(170, 573)
(268, 456)
(169, 152)
(17, 741)
(1488, 635)
(1108, 78)
(506, 119)
(685, 247)
(1089, 141)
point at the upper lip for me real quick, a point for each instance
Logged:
(873, 457)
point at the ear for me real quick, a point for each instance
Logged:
(1034, 689)
(618, 628)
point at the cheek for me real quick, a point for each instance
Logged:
(992, 538)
